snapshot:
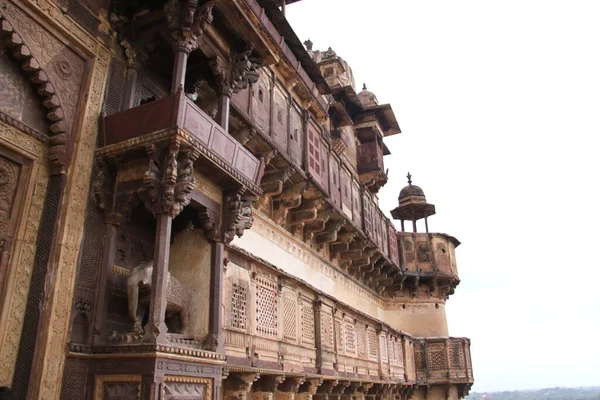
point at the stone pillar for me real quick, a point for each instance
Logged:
(108, 259)
(135, 58)
(156, 329)
(215, 339)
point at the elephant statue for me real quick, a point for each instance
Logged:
(139, 287)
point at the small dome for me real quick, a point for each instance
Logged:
(367, 98)
(411, 191)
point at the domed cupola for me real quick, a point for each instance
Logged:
(412, 205)
(367, 98)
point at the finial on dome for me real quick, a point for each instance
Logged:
(308, 44)
(364, 86)
(409, 176)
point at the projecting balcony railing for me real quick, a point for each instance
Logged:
(428, 254)
(178, 116)
(443, 361)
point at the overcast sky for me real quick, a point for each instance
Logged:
(499, 105)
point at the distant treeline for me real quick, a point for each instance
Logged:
(557, 393)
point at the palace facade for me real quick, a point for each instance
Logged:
(188, 210)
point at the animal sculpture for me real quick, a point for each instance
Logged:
(139, 287)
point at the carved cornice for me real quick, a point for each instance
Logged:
(186, 23)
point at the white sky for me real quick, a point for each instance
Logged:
(499, 105)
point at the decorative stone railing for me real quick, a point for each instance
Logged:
(276, 323)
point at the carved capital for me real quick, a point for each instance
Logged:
(187, 20)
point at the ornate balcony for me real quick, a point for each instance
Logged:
(177, 119)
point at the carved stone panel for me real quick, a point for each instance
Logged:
(18, 97)
(65, 69)
(13, 176)
(279, 117)
(121, 391)
(261, 100)
(296, 135)
(356, 204)
(184, 391)
(334, 182)
(313, 156)
(241, 100)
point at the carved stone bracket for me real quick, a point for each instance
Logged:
(290, 198)
(169, 179)
(329, 233)
(272, 183)
(236, 386)
(237, 213)
(186, 22)
(136, 53)
(308, 389)
(266, 386)
(289, 388)
(237, 73)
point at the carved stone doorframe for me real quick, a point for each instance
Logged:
(54, 324)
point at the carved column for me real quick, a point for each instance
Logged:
(231, 77)
(169, 181)
(186, 22)
(135, 57)
(214, 341)
(117, 209)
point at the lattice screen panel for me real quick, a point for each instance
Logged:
(436, 356)
(239, 300)
(339, 336)
(307, 319)
(457, 357)
(419, 356)
(398, 356)
(349, 336)
(372, 342)
(327, 327)
(290, 318)
(383, 350)
(266, 306)
(361, 332)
